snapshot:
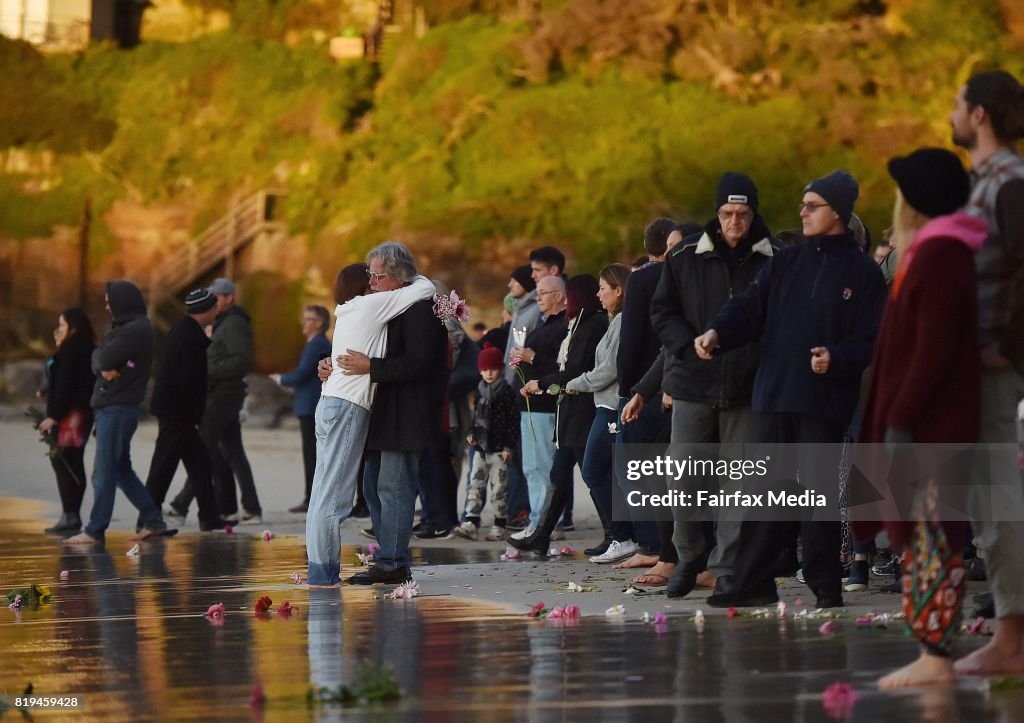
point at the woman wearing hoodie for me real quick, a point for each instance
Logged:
(926, 388)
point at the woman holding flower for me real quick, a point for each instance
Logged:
(68, 412)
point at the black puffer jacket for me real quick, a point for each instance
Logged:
(696, 283)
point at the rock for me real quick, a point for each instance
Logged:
(267, 404)
(21, 379)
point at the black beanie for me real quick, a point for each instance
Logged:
(933, 181)
(735, 188)
(523, 274)
(199, 301)
(840, 190)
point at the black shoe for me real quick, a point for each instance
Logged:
(982, 598)
(896, 586)
(66, 524)
(429, 533)
(598, 549)
(830, 601)
(300, 508)
(377, 575)
(730, 597)
(887, 568)
(684, 579)
(986, 606)
(976, 570)
(211, 525)
(360, 511)
(534, 543)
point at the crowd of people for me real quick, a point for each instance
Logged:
(724, 333)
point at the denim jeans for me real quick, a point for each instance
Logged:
(597, 473)
(341, 428)
(389, 483)
(538, 432)
(112, 470)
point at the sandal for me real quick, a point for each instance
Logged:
(637, 560)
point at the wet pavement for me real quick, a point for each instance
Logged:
(129, 634)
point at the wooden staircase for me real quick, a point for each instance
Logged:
(216, 246)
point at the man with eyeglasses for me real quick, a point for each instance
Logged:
(710, 402)
(814, 309)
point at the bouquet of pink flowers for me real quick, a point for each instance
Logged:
(451, 307)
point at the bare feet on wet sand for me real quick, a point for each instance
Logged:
(82, 538)
(993, 659)
(926, 670)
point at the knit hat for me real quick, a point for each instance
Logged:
(509, 302)
(736, 188)
(490, 358)
(199, 301)
(933, 181)
(222, 286)
(840, 190)
(524, 275)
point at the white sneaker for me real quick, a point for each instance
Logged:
(467, 530)
(233, 519)
(523, 534)
(496, 533)
(249, 518)
(617, 551)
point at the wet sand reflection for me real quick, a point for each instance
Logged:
(129, 634)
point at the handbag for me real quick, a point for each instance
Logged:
(72, 429)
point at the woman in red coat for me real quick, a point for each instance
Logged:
(926, 388)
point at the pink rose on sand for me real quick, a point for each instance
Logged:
(16, 603)
(286, 609)
(839, 699)
(268, 535)
(64, 574)
(229, 530)
(572, 612)
(216, 614)
(827, 628)
(536, 610)
(372, 548)
(660, 618)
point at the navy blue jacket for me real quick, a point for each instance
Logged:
(638, 343)
(826, 292)
(304, 379)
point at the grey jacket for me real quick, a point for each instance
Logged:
(527, 316)
(603, 379)
(127, 348)
(230, 352)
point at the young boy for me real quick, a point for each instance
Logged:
(493, 436)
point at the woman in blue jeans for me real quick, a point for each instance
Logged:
(602, 381)
(342, 416)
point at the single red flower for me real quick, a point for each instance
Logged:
(263, 605)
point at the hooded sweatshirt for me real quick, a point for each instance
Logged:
(127, 348)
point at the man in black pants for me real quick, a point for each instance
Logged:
(179, 398)
(815, 308)
(227, 362)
